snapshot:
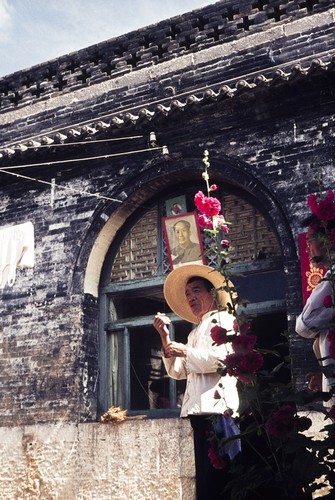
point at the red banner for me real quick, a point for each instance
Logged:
(310, 274)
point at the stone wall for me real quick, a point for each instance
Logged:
(98, 461)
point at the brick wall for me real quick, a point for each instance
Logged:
(250, 81)
(270, 141)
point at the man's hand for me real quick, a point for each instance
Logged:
(175, 349)
(161, 324)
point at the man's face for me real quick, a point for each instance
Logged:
(182, 234)
(199, 298)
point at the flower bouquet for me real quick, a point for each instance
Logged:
(278, 458)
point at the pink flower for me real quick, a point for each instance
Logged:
(220, 223)
(219, 335)
(244, 343)
(328, 301)
(325, 209)
(215, 459)
(208, 205)
(213, 187)
(205, 222)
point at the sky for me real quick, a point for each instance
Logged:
(36, 31)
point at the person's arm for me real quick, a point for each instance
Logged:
(161, 324)
(173, 353)
(315, 317)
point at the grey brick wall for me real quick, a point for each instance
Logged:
(270, 141)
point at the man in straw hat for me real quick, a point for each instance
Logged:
(188, 290)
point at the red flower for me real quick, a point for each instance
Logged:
(281, 422)
(213, 187)
(216, 460)
(328, 301)
(232, 360)
(325, 209)
(244, 343)
(312, 202)
(243, 365)
(205, 222)
(219, 335)
(208, 205)
(225, 244)
(252, 361)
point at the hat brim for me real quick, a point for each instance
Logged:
(175, 285)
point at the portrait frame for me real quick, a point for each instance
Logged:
(193, 252)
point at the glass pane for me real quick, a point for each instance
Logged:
(146, 368)
(118, 368)
(132, 306)
(150, 386)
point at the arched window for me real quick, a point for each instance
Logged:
(132, 374)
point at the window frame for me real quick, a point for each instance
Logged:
(249, 270)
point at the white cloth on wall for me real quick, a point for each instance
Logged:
(16, 250)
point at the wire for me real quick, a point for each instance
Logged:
(74, 160)
(66, 188)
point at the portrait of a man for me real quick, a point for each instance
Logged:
(183, 240)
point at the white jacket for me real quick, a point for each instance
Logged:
(199, 367)
(314, 322)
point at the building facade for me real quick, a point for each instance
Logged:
(96, 149)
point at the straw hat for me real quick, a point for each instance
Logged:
(175, 284)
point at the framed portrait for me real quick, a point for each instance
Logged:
(183, 240)
(175, 206)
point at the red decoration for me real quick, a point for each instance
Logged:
(310, 274)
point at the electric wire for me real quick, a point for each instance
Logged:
(66, 188)
(76, 160)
